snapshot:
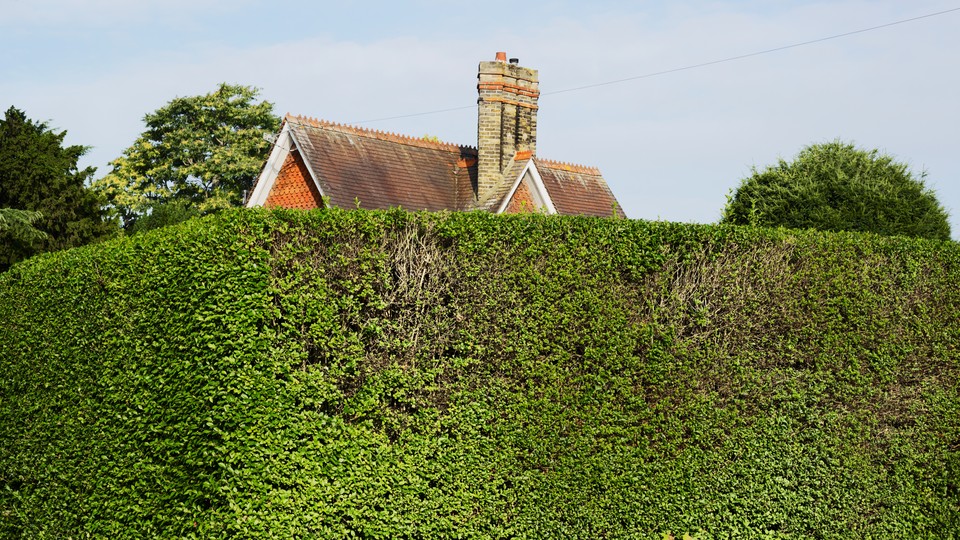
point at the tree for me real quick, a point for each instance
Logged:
(837, 187)
(163, 215)
(19, 224)
(43, 195)
(203, 151)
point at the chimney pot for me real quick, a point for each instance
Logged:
(514, 61)
(501, 57)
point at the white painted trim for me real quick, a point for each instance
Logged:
(540, 190)
(284, 144)
(268, 176)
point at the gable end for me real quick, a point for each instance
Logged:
(286, 179)
(527, 190)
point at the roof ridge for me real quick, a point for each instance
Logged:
(572, 167)
(377, 134)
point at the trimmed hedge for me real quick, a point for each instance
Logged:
(351, 374)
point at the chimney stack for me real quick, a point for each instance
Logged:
(507, 118)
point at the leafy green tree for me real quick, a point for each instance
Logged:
(203, 151)
(45, 203)
(837, 187)
(19, 224)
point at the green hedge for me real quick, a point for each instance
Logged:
(351, 374)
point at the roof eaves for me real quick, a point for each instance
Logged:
(271, 169)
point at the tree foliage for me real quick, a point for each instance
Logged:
(45, 203)
(20, 224)
(203, 151)
(837, 187)
(164, 215)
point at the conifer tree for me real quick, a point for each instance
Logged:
(837, 187)
(46, 203)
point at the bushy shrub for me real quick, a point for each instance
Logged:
(838, 187)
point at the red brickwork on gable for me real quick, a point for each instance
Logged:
(293, 187)
(522, 200)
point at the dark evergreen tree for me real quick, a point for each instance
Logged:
(39, 174)
(837, 187)
(164, 214)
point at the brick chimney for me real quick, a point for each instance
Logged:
(507, 118)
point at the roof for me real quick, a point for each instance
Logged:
(575, 189)
(511, 174)
(383, 170)
(354, 166)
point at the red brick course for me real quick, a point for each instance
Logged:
(522, 200)
(293, 187)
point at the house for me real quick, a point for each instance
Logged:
(316, 163)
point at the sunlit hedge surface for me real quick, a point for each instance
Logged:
(360, 374)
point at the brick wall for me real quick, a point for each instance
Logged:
(507, 118)
(293, 187)
(522, 201)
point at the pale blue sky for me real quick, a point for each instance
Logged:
(670, 146)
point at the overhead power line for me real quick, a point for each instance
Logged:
(689, 67)
(749, 55)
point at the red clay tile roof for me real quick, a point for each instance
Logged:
(384, 170)
(578, 190)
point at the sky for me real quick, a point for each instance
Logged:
(671, 142)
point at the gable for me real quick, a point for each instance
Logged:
(298, 187)
(527, 193)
